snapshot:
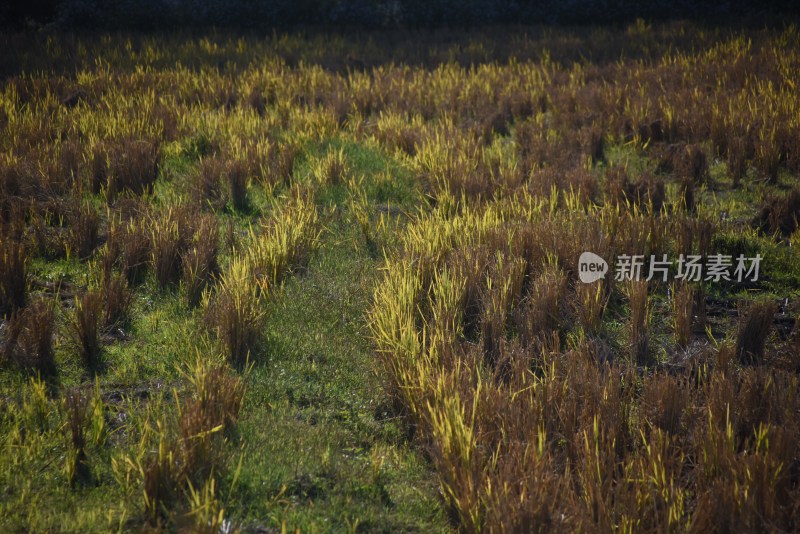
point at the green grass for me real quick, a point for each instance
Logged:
(319, 437)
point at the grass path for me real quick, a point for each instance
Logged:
(321, 449)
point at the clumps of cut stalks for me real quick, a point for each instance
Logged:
(589, 441)
(214, 406)
(189, 457)
(360, 210)
(98, 169)
(738, 156)
(236, 180)
(767, 154)
(451, 162)
(648, 193)
(161, 479)
(754, 330)
(13, 275)
(689, 162)
(77, 406)
(593, 142)
(130, 165)
(29, 338)
(591, 302)
(332, 168)
(63, 172)
(117, 299)
(398, 133)
(257, 101)
(217, 181)
(179, 245)
(682, 313)
(44, 234)
(279, 167)
(199, 263)
(84, 227)
(640, 310)
(129, 243)
(169, 233)
(780, 215)
(695, 165)
(207, 185)
(234, 311)
(499, 295)
(283, 242)
(664, 403)
(84, 327)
